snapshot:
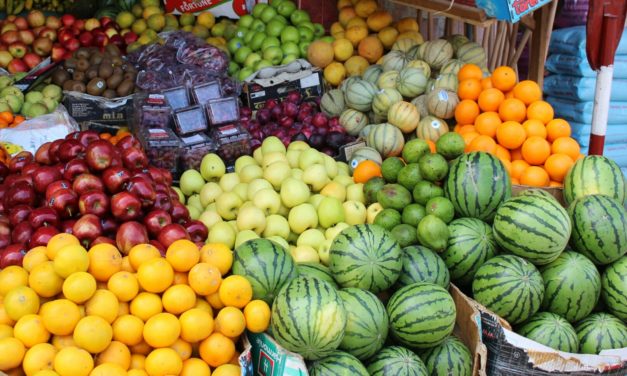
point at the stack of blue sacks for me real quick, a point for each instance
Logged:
(570, 89)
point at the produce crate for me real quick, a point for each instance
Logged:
(556, 192)
(84, 108)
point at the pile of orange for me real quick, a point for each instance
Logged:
(9, 120)
(509, 119)
(68, 311)
(120, 134)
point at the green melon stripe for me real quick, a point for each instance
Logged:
(332, 364)
(590, 210)
(576, 306)
(496, 299)
(514, 208)
(373, 324)
(615, 296)
(497, 185)
(615, 174)
(511, 244)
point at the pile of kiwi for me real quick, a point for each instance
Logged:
(99, 73)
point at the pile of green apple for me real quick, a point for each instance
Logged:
(297, 196)
(272, 34)
(41, 100)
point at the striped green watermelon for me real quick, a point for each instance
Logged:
(532, 226)
(572, 286)
(551, 330)
(316, 270)
(397, 361)
(332, 102)
(594, 174)
(601, 331)
(266, 265)
(420, 264)
(337, 363)
(599, 228)
(614, 292)
(359, 95)
(366, 323)
(451, 357)
(421, 315)
(308, 317)
(365, 256)
(510, 286)
(477, 183)
(471, 243)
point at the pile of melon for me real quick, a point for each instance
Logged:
(410, 92)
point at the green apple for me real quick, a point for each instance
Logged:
(323, 251)
(257, 40)
(229, 31)
(315, 200)
(372, 211)
(258, 26)
(194, 200)
(280, 18)
(343, 169)
(299, 16)
(305, 34)
(258, 9)
(272, 144)
(274, 28)
(303, 47)
(251, 218)
(244, 73)
(294, 192)
(309, 157)
(242, 162)
(284, 211)
(290, 48)
(245, 21)
(242, 54)
(234, 45)
(304, 253)
(228, 204)
(228, 181)
(307, 25)
(218, 29)
(258, 155)
(194, 212)
(354, 212)
(292, 157)
(273, 156)
(191, 182)
(273, 54)
(256, 185)
(334, 189)
(209, 219)
(315, 176)
(276, 173)
(355, 192)
(244, 236)
(318, 30)
(212, 167)
(249, 37)
(233, 224)
(290, 34)
(250, 173)
(268, 200)
(211, 207)
(276, 3)
(344, 180)
(276, 225)
(312, 237)
(330, 165)
(330, 212)
(270, 42)
(222, 232)
(302, 217)
(267, 14)
(286, 7)
(180, 194)
(241, 32)
(209, 192)
(251, 60)
(263, 63)
(241, 190)
(334, 231)
(298, 145)
(297, 173)
(288, 59)
(233, 68)
(328, 39)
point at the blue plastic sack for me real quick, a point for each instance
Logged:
(581, 112)
(572, 41)
(581, 89)
(616, 152)
(577, 65)
(616, 134)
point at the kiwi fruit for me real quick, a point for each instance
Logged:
(109, 93)
(96, 58)
(59, 76)
(68, 85)
(82, 53)
(112, 50)
(82, 64)
(125, 88)
(118, 70)
(96, 86)
(130, 76)
(78, 76)
(117, 61)
(105, 71)
(114, 81)
(92, 72)
(70, 64)
(78, 86)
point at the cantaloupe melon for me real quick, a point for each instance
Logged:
(437, 53)
(384, 99)
(404, 116)
(411, 82)
(332, 102)
(386, 139)
(394, 60)
(431, 128)
(442, 103)
(353, 121)
(359, 95)
(388, 80)
(372, 73)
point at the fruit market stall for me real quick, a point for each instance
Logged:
(242, 191)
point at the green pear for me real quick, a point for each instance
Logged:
(5, 81)
(12, 90)
(15, 102)
(34, 97)
(52, 91)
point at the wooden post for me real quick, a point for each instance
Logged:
(540, 39)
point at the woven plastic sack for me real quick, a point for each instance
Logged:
(572, 41)
(581, 112)
(575, 65)
(581, 88)
(616, 134)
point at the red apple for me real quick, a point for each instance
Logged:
(67, 226)
(87, 137)
(99, 155)
(36, 18)
(197, 231)
(43, 176)
(42, 155)
(134, 159)
(68, 20)
(54, 150)
(159, 246)
(58, 53)
(106, 21)
(21, 23)
(102, 240)
(20, 193)
(70, 149)
(65, 202)
(17, 66)
(179, 212)
(10, 36)
(142, 189)
(72, 45)
(127, 142)
(109, 225)
(91, 24)
(74, 168)
(18, 49)
(87, 182)
(53, 22)
(32, 60)
(18, 161)
(42, 236)
(163, 201)
(86, 39)
(79, 24)
(125, 206)
(5, 235)
(130, 37)
(5, 58)
(42, 217)
(42, 46)
(65, 34)
(12, 255)
(100, 38)
(29, 168)
(93, 202)
(171, 233)
(115, 179)
(13, 180)
(156, 220)
(22, 233)
(27, 36)
(59, 184)
(87, 228)
(49, 33)
(129, 235)
(19, 214)
(4, 171)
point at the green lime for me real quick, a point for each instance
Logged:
(371, 188)
(390, 168)
(413, 214)
(405, 235)
(433, 233)
(388, 219)
(451, 145)
(409, 175)
(433, 167)
(442, 208)
(394, 196)
(426, 190)
(415, 149)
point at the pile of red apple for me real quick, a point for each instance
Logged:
(100, 192)
(26, 41)
(295, 120)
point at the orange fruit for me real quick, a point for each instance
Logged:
(128, 329)
(20, 301)
(461, 129)
(504, 78)
(534, 127)
(257, 314)
(59, 241)
(557, 128)
(15, 348)
(178, 299)
(404, 24)
(116, 353)
(540, 110)
(516, 154)
(469, 137)
(379, 19)
(30, 330)
(123, 285)
(204, 279)
(466, 111)
(60, 316)
(566, 145)
(6, 116)
(162, 330)
(145, 305)
(346, 14)
(214, 300)
(204, 305)
(535, 151)
(108, 369)
(482, 143)
(370, 48)
(126, 265)
(60, 342)
(511, 134)
(142, 253)
(182, 255)
(138, 361)
(155, 275)
(12, 276)
(486, 83)
(365, 171)
(230, 321)
(535, 176)
(71, 259)
(469, 71)
(180, 278)
(469, 89)
(557, 165)
(502, 153)
(103, 303)
(196, 325)
(217, 349)
(388, 36)
(218, 255)
(79, 287)
(195, 367)
(354, 34)
(515, 181)
(490, 99)
(73, 361)
(93, 333)
(44, 280)
(512, 109)
(555, 184)
(227, 370)
(235, 291)
(34, 257)
(141, 348)
(104, 261)
(527, 91)
(487, 123)
(184, 349)
(39, 357)
(164, 361)
(6, 331)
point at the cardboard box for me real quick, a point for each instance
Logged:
(219, 8)
(270, 359)
(510, 10)
(84, 108)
